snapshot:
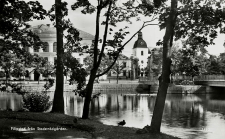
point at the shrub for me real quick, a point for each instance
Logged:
(36, 102)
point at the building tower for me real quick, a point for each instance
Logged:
(141, 51)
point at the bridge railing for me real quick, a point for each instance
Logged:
(181, 77)
(210, 77)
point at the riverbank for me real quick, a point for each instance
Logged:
(56, 126)
(122, 87)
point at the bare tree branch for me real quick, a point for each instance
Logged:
(120, 49)
(105, 34)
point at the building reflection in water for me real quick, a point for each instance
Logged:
(185, 116)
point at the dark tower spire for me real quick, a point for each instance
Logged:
(140, 35)
(140, 43)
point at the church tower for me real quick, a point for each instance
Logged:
(141, 51)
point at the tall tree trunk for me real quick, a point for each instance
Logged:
(88, 90)
(58, 101)
(6, 79)
(164, 83)
(89, 87)
(97, 59)
(117, 75)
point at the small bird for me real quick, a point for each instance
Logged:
(122, 123)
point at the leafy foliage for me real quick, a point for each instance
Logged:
(215, 65)
(115, 13)
(49, 84)
(16, 35)
(197, 20)
(36, 102)
(75, 71)
(14, 18)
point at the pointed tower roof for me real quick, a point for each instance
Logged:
(140, 43)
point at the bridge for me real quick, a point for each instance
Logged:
(205, 80)
(210, 80)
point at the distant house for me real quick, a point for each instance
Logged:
(122, 67)
(141, 54)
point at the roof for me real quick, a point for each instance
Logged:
(46, 31)
(86, 36)
(140, 43)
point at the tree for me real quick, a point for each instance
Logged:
(118, 68)
(157, 61)
(105, 63)
(77, 72)
(15, 65)
(114, 14)
(8, 61)
(15, 34)
(58, 101)
(65, 63)
(135, 68)
(192, 20)
(215, 65)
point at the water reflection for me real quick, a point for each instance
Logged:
(10, 101)
(185, 116)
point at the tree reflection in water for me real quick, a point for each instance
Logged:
(185, 116)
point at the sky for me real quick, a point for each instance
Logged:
(151, 34)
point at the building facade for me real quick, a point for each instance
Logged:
(47, 34)
(122, 67)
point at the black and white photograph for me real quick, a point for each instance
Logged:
(112, 69)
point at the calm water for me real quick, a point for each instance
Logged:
(185, 116)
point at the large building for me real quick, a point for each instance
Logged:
(47, 34)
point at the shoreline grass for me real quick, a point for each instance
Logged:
(77, 127)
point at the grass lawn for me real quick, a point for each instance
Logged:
(60, 126)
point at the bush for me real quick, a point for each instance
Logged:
(36, 102)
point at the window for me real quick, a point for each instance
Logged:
(124, 73)
(54, 47)
(124, 64)
(46, 47)
(142, 53)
